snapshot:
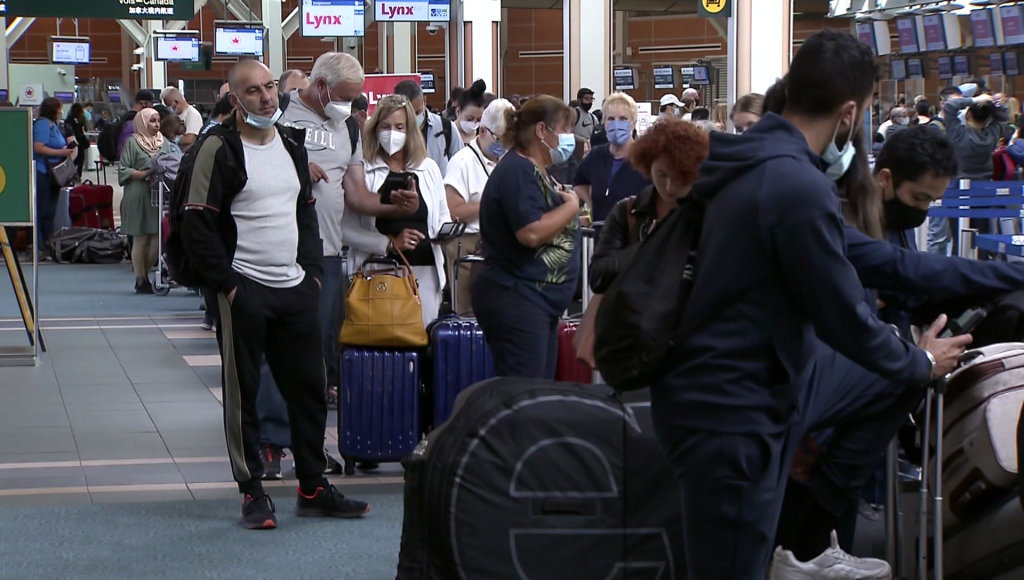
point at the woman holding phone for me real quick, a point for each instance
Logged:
(395, 159)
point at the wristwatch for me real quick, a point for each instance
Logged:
(935, 365)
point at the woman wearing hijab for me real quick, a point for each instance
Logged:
(140, 218)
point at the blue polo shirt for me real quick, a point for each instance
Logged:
(48, 133)
(610, 180)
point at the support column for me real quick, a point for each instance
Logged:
(404, 35)
(763, 52)
(156, 71)
(5, 82)
(482, 20)
(275, 36)
(588, 55)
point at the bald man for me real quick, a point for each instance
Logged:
(292, 80)
(188, 114)
(251, 232)
(224, 90)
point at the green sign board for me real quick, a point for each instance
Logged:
(16, 171)
(115, 9)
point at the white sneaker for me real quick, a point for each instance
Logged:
(832, 564)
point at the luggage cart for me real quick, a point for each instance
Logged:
(160, 199)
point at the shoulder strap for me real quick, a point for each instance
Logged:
(630, 218)
(480, 159)
(446, 127)
(353, 132)
(579, 114)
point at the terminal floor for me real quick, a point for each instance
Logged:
(124, 409)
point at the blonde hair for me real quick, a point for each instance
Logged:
(1014, 106)
(622, 100)
(721, 115)
(415, 147)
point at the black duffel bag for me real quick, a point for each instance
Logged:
(86, 246)
(544, 481)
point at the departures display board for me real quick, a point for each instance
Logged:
(112, 9)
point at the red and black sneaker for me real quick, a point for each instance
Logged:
(258, 512)
(271, 456)
(328, 502)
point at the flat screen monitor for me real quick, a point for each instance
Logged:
(177, 48)
(238, 39)
(945, 67)
(696, 75)
(961, 65)
(428, 83)
(4, 94)
(625, 79)
(934, 32)
(907, 29)
(322, 18)
(995, 62)
(866, 34)
(899, 69)
(664, 77)
(915, 68)
(1013, 24)
(1011, 65)
(412, 10)
(981, 26)
(65, 97)
(115, 97)
(69, 51)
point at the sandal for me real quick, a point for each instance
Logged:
(332, 398)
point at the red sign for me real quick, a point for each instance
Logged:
(379, 86)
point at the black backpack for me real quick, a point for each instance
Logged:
(637, 324)
(110, 136)
(179, 266)
(446, 128)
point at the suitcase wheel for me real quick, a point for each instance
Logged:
(350, 465)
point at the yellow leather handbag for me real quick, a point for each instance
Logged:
(382, 307)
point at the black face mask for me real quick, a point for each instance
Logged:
(900, 216)
(586, 106)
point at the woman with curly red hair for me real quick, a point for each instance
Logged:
(669, 154)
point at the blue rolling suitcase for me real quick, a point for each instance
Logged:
(460, 358)
(379, 406)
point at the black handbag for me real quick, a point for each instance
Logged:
(61, 174)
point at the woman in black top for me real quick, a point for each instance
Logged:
(75, 124)
(670, 154)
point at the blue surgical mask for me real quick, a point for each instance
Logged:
(565, 149)
(495, 150)
(619, 131)
(259, 121)
(420, 118)
(839, 161)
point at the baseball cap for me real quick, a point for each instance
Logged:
(670, 99)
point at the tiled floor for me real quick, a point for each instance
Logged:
(122, 408)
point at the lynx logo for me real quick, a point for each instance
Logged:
(390, 12)
(316, 20)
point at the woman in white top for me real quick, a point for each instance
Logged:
(390, 147)
(464, 183)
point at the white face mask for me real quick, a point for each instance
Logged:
(391, 141)
(469, 127)
(336, 111)
(839, 161)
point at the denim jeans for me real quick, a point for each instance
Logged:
(939, 236)
(46, 210)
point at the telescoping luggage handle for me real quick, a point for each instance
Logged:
(588, 235)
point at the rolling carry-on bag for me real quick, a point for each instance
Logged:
(982, 406)
(460, 358)
(540, 480)
(379, 405)
(92, 206)
(570, 369)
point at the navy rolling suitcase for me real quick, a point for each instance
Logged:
(460, 358)
(379, 406)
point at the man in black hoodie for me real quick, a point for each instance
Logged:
(777, 333)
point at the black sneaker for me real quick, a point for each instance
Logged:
(328, 502)
(258, 513)
(271, 456)
(144, 287)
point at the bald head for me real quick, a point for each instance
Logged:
(252, 88)
(291, 80)
(173, 98)
(224, 90)
(692, 94)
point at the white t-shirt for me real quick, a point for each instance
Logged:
(265, 216)
(192, 119)
(329, 145)
(467, 173)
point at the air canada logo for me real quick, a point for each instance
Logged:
(236, 40)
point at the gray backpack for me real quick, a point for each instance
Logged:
(165, 168)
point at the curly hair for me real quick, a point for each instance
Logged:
(682, 143)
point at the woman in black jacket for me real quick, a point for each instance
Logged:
(75, 124)
(669, 154)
